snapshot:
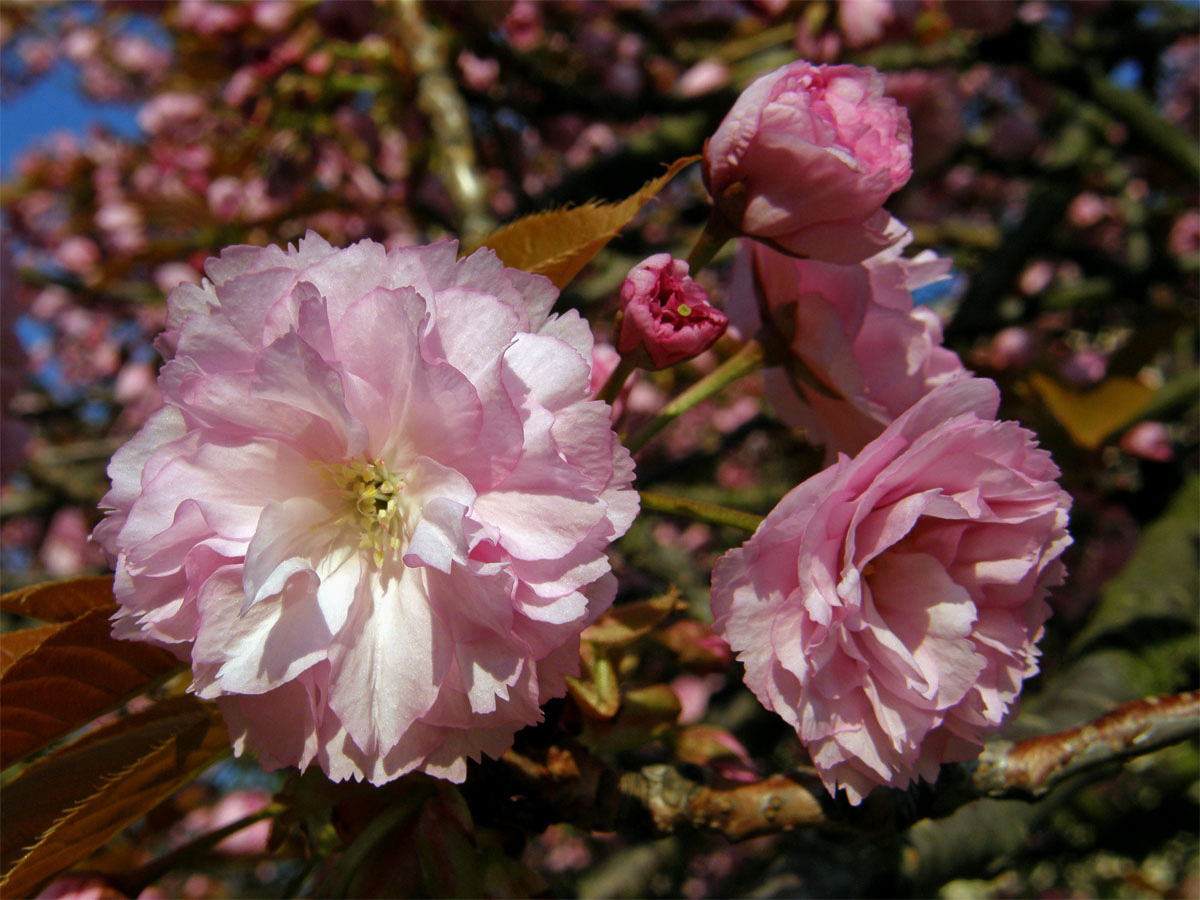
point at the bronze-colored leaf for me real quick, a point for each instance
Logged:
(624, 624)
(71, 677)
(63, 808)
(61, 601)
(697, 645)
(560, 242)
(705, 744)
(15, 644)
(1091, 416)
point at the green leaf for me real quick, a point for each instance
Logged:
(61, 601)
(597, 694)
(645, 714)
(560, 242)
(68, 679)
(66, 806)
(1090, 416)
(445, 839)
(1141, 637)
(1157, 587)
(624, 624)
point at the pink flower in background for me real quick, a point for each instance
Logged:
(666, 315)
(861, 353)
(704, 77)
(888, 608)
(934, 103)
(375, 505)
(65, 549)
(80, 887)
(864, 22)
(169, 111)
(806, 158)
(1149, 440)
(232, 807)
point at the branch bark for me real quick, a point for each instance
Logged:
(574, 786)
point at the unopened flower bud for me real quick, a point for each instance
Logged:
(666, 314)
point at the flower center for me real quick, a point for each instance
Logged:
(377, 505)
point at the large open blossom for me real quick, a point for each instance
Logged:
(375, 505)
(888, 608)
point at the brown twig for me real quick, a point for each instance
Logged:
(1033, 767)
(572, 785)
(778, 803)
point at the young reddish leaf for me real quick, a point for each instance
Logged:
(55, 783)
(61, 601)
(701, 744)
(71, 677)
(1091, 416)
(560, 242)
(698, 646)
(101, 784)
(624, 624)
(16, 644)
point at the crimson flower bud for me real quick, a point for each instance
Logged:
(666, 314)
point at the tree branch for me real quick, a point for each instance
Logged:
(572, 785)
(1033, 767)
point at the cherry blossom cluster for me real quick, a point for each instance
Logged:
(888, 608)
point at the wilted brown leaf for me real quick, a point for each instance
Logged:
(560, 242)
(61, 601)
(66, 806)
(72, 676)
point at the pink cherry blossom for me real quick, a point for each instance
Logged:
(374, 508)
(666, 317)
(888, 608)
(169, 111)
(860, 352)
(864, 22)
(1149, 440)
(806, 158)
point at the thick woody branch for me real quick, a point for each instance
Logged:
(574, 786)
(778, 803)
(1035, 766)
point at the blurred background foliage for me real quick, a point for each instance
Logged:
(1056, 163)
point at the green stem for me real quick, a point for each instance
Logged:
(138, 881)
(745, 361)
(616, 381)
(700, 511)
(715, 235)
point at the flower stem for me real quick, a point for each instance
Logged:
(185, 856)
(700, 511)
(715, 235)
(616, 381)
(745, 361)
